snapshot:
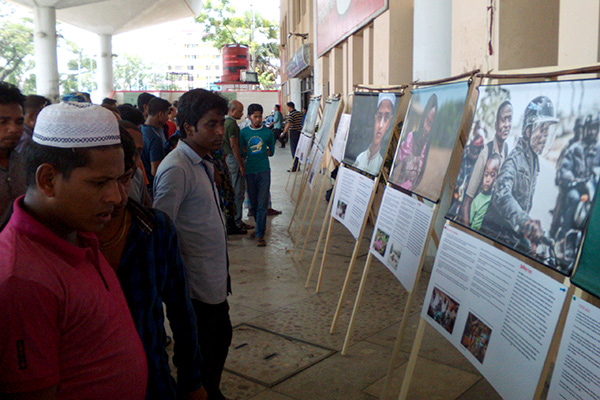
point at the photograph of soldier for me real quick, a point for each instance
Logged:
(428, 137)
(373, 119)
(546, 137)
(310, 119)
(330, 115)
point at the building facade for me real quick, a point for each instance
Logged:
(393, 42)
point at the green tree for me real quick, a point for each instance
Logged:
(16, 50)
(222, 26)
(81, 72)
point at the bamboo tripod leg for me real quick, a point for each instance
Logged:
(301, 227)
(297, 208)
(295, 179)
(288, 179)
(315, 255)
(398, 343)
(301, 193)
(412, 361)
(312, 220)
(346, 283)
(325, 250)
(361, 289)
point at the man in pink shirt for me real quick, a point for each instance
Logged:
(65, 329)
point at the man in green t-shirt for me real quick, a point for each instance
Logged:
(234, 160)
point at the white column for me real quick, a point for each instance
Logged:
(105, 67)
(432, 57)
(295, 94)
(318, 87)
(44, 42)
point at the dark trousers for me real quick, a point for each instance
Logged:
(294, 139)
(214, 338)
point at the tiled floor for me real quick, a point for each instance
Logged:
(269, 293)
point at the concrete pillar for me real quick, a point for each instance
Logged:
(393, 44)
(105, 67)
(295, 93)
(336, 60)
(578, 32)
(323, 67)
(44, 42)
(432, 52)
(368, 55)
(318, 81)
(355, 63)
(528, 35)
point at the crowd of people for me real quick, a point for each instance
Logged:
(109, 211)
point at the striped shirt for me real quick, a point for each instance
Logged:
(295, 120)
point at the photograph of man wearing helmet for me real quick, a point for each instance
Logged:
(507, 219)
(544, 188)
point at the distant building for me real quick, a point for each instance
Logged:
(192, 63)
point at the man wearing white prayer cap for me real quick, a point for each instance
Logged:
(370, 160)
(67, 331)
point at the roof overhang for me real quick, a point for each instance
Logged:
(111, 17)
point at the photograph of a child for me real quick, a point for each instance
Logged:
(476, 337)
(530, 168)
(395, 254)
(381, 241)
(443, 309)
(373, 119)
(428, 137)
(340, 210)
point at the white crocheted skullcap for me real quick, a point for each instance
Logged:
(76, 125)
(386, 96)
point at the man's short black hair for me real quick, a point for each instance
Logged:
(157, 105)
(64, 160)
(290, 104)
(131, 114)
(143, 99)
(278, 107)
(252, 108)
(128, 146)
(194, 104)
(34, 103)
(10, 94)
(109, 101)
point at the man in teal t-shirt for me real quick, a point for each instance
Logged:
(258, 145)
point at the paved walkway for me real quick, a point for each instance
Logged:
(282, 348)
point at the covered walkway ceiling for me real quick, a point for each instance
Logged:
(103, 17)
(111, 17)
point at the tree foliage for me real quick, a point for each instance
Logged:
(16, 51)
(222, 26)
(130, 73)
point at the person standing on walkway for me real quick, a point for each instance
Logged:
(185, 190)
(277, 125)
(235, 161)
(293, 126)
(66, 329)
(141, 245)
(258, 144)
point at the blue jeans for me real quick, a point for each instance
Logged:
(259, 185)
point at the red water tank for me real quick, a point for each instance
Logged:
(235, 58)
